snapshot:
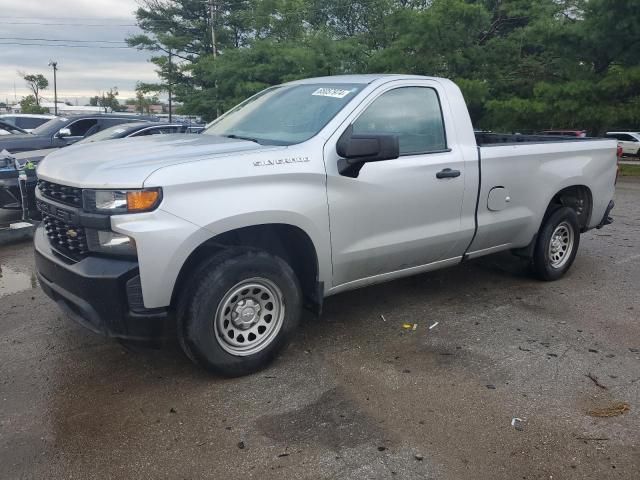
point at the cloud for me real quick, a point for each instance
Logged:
(83, 72)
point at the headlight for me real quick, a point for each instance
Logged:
(121, 201)
(101, 241)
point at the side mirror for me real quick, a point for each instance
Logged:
(356, 150)
(64, 132)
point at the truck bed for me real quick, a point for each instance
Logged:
(524, 172)
(491, 139)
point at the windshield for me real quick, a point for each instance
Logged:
(286, 114)
(10, 128)
(51, 127)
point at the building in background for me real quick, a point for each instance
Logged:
(64, 109)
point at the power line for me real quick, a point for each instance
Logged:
(57, 45)
(61, 40)
(32, 17)
(72, 24)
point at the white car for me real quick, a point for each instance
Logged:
(629, 141)
(26, 121)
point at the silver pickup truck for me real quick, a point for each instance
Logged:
(303, 191)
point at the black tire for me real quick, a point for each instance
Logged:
(542, 261)
(202, 337)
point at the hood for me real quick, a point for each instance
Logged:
(127, 162)
(23, 142)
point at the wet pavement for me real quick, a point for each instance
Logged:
(355, 395)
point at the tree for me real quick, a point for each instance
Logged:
(29, 105)
(521, 65)
(142, 102)
(108, 100)
(35, 83)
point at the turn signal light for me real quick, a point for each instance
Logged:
(142, 200)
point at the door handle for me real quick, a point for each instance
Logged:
(448, 173)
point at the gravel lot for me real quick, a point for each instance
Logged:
(354, 396)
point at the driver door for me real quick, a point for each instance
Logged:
(397, 214)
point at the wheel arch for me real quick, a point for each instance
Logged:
(577, 197)
(289, 242)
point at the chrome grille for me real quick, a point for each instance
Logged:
(61, 193)
(67, 239)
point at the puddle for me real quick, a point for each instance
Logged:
(12, 281)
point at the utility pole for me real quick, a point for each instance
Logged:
(212, 15)
(169, 86)
(55, 86)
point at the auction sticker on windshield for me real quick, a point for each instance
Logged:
(331, 92)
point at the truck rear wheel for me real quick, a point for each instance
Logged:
(238, 312)
(557, 244)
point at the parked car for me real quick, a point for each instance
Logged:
(565, 133)
(628, 141)
(26, 121)
(10, 129)
(305, 190)
(62, 131)
(10, 198)
(122, 130)
(136, 129)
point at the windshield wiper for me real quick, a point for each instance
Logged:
(240, 137)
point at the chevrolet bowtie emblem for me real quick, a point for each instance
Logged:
(72, 233)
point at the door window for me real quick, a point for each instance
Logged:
(81, 127)
(157, 131)
(30, 122)
(170, 130)
(411, 113)
(625, 137)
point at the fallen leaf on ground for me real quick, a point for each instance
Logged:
(614, 410)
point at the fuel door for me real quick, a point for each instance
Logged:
(498, 199)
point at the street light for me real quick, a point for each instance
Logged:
(55, 87)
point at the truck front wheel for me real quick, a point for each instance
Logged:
(557, 244)
(238, 311)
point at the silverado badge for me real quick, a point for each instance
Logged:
(280, 161)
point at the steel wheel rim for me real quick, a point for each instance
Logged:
(249, 316)
(561, 245)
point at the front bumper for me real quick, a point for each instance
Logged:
(102, 294)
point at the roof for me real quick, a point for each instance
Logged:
(109, 115)
(134, 125)
(27, 115)
(563, 130)
(362, 79)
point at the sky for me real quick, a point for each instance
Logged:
(82, 72)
